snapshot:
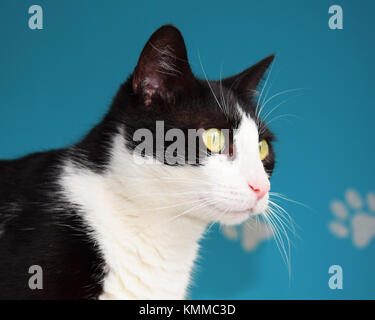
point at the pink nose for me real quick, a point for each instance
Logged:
(260, 189)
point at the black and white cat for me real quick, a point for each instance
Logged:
(103, 225)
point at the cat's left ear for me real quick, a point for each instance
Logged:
(246, 82)
(163, 70)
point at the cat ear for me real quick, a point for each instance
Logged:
(163, 70)
(247, 81)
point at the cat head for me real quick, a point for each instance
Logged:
(227, 178)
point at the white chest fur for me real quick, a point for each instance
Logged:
(149, 254)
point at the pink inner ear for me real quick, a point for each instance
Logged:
(147, 101)
(149, 87)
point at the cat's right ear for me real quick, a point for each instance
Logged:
(163, 70)
(246, 82)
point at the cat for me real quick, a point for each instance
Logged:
(102, 225)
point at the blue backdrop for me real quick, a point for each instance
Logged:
(56, 83)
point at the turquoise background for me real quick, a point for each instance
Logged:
(56, 83)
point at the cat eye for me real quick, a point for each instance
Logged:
(214, 140)
(263, 149)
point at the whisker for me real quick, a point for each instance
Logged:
(280, 93)
(280, 104)
(188, 202)
(283, 248)
(200, 206)
(261, 93)
(212, 91)
(284, 197)
(282, 116)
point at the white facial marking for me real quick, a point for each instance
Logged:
(231, 185)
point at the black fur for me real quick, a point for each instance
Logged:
(39, 227)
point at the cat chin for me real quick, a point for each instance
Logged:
(227, 217)
(232, 219)
(235, 218)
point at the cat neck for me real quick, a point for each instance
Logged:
(148, 243)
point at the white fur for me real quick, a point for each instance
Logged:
(148, 219)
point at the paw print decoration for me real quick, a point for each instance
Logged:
(250, 234)
(354, 218)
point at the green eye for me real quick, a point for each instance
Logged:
(263, 149)
(214, 140)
